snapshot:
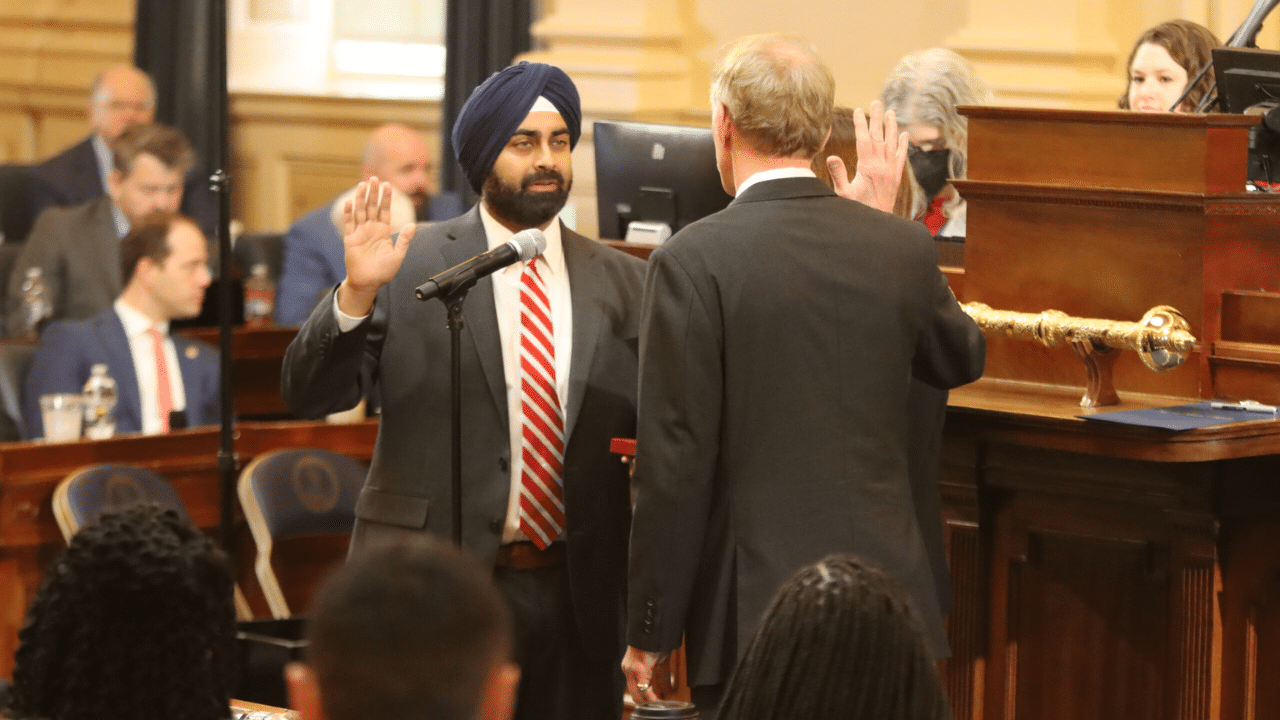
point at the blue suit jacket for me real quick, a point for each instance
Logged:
(68, 350)
(72, 177)
(313, 258)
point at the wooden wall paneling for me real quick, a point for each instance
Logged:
(295, 153)
(1097, 607)
(1250, 597)
(967, 549)
(314, 179)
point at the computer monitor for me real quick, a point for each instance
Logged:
(1249, 81)
(652, 178)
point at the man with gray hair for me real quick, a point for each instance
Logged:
(778, 340)
(120, 97)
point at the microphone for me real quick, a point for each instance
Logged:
(523, 246)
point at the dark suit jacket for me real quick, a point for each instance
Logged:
(406, 345)
(779, 337)
(313, 258)
(67, 352)
(72, 177)
(79, 251)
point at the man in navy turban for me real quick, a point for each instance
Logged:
(543, 499)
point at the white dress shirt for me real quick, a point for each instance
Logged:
(776, 174)
(142, 348)
(506, 299)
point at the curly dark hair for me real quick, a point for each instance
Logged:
(135, 620)
(840, 641)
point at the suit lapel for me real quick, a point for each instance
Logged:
(188, 365)
(106, 245)
(116, 346)
(480, 313)
(584, 293)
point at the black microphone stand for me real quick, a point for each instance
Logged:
(453, 303)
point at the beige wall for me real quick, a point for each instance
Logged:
(647, 59)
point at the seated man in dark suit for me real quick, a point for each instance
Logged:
(160, 379)
(415, 630)
(77, 248)
(120, 97)
(313, 255)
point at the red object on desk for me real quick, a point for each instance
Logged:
(623, 446)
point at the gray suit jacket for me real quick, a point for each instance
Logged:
(405, 345)
(779, 337)
(79, 251)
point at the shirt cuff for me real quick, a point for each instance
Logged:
(346, 323)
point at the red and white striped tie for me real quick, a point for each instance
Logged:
(542, 434)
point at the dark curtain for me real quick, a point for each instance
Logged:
(182, 44)
(481, 38)
(183, 48)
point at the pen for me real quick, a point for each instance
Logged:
(1247, 405)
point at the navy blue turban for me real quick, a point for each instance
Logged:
(495, 110)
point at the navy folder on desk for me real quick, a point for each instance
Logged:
(1180, 417)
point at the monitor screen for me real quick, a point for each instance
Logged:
(1249, 81)
(1246, 77)
(654, 174)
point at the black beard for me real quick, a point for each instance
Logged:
(522, 207)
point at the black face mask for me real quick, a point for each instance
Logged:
(932, 168)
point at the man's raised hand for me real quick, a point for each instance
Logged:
(882, 153)
(372, 257)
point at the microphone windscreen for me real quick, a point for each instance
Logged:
(529, 243)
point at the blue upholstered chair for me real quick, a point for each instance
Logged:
(88, 492)
(300, 504)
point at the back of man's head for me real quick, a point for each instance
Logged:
(778, 93)
(408, 631)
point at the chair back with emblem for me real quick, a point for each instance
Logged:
(88, 492)
(300, 504)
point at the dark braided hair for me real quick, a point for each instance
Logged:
(839, 641)
(135, 620)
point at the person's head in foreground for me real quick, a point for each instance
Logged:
(411, 631)
(840, 641)
(1163, 60)
(135, 620)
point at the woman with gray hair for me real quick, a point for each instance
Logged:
(923, 90)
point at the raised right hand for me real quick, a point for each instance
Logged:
(372, 258)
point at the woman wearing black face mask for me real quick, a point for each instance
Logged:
(924, 90)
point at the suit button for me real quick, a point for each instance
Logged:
(650, 602)
(495, 526)
(502, 464)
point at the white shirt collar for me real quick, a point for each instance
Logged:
(106, 160)
(135, 321)
(552, 259)
(775, 174)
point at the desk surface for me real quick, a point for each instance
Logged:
(1046, 416)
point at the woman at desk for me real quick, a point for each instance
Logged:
(923, 90)
(1161, 63)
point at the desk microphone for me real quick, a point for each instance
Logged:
(523, 246)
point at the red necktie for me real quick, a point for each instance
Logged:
(542, 432)
(164, 393)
